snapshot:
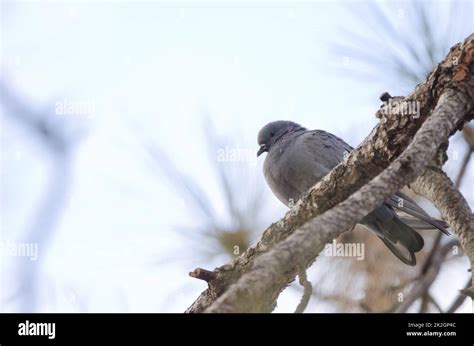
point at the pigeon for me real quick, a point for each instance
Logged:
(298, 158)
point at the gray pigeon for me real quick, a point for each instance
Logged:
(297, 159)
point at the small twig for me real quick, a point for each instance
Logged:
(460, 299)
(308, 291)
(434, 303)
(468, 291)
(462, 170)
(424, 303)
(468, 132)
(432, 253)
(203, 274)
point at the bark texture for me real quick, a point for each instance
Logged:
(436, 186)
(395, 153)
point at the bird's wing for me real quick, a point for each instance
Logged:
(326, 148)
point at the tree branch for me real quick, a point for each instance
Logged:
(307, 292)
(253, 281)
(203, 274)
(459, 300)
(426, 280)
(462, 171)
(435, 185)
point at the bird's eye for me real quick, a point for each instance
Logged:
(272, 134)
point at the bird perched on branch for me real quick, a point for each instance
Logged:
(298, 158)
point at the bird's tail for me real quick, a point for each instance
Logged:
(419, 218)
(402, 240)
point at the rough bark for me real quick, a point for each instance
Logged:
(435, 185)
(253, 281)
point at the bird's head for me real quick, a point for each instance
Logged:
(271, 132)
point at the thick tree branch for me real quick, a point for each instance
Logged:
(271, 264)
(435, 185)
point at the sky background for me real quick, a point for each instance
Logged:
(152, 72)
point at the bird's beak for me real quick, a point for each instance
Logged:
(263, 148)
